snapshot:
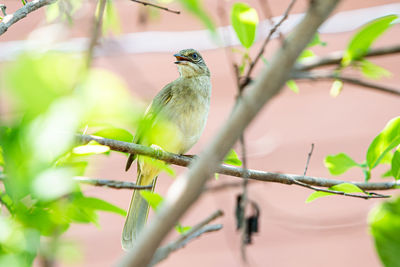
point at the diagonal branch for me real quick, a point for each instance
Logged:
(157, 6)
(187, 188)
(21, 13)
(336, 57)
(197, 230)
(324, 75)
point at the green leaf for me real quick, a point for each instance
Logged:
(99, 204)
(370, 70)
(152, 198)
(336, 88)
(363, 39)
(116, 134)
(182, 229)
(1, 157)
(216, 175)
(317, 194)
(196, 8)
(244, 20)
(293, 86)
(343, 187)
(396, 165)
(90, 149)
(316, 41)
(111, 20)
(339, 163)
(347, 188)
(384, 222)
(306, 54)
(385, 141)
(232, 158)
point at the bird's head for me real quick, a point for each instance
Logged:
(190, 63)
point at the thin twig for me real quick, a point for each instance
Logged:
(97, 25)
(333, 191)
(247, 77)
(101, 182)
(263, 176)
(308, 159)
(21, 13)
(336, 57)
(197, 230)
(327, 75)
(157, 6)
(3, 9)
(367, 196)
(111, 183)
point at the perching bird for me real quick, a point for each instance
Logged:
(173, 122)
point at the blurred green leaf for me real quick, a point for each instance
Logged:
(244, 20)
(336, 88)
(37, 80)
(111, 20)
(316, 41)
(232, 158)
(343, 187)
(106, 100)
(1, 157)
(385, 141)
(363, 39)
(293, 86)
(99, 204)
(384, 222)
(339, 163)
(196, 8)
(396, 165)
(152, 198)
(306, 54)
(182, 229)
(116, 134)
(90, 149)
(373, 71)
(53, 183)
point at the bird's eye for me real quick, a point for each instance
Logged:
(195, 56)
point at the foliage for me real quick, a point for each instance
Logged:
(382, 150)
(384, 222)
(52, 97)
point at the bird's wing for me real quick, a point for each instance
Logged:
(158, 103)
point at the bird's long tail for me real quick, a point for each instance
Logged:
(137, 213)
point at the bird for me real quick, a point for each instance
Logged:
(173, 122)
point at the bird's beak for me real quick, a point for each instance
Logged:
(180, 59)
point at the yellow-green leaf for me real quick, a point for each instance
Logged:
(336, 88)
(363, 39)
(339, 163)
(293, 86)
(244, 20)
(384, 142)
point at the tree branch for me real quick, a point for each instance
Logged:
(157, 6)
(187, 187)
(21, 13)
(324, 75)
(111, 183)
(96, 32)
(336, 57)
(163, 252)
(263, 176)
